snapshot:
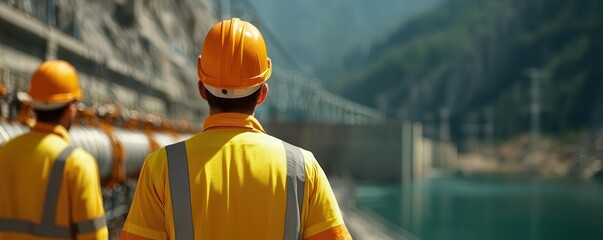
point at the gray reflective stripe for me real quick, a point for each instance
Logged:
(47, 227)
(14, 225)
(54, 187)
(180, 190)
(296, 178)
(90, 225)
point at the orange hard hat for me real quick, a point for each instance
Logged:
(234, 62)
(54, 84)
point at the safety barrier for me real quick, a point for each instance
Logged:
(386, 152)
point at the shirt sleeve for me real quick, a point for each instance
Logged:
(323, 214)
(146, 218)
(87, 213)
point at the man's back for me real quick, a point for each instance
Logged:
(26, 170)
(238, 186)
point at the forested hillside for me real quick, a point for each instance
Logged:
(469, 56)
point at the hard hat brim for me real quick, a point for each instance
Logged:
(48, 106)
(231, 93)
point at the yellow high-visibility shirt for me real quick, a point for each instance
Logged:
(25, 167)
(237, 176)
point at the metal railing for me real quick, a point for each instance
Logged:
(298, 98)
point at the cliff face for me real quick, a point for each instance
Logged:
(153, 40)
(145, 33)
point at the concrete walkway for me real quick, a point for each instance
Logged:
(364, 224)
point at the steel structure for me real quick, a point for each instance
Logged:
(298, 98)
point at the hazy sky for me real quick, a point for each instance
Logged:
(318, 33)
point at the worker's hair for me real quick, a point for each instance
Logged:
(50, 116)
(235, 104)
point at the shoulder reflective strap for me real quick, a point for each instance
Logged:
(180, 190)
(47, 227)
(54, 187)
(52, 198)
(296, 178)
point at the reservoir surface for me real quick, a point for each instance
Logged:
(489, 208)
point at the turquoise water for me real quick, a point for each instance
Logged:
(478, 208)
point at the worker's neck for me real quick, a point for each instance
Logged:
(213, 111)
(65, 124)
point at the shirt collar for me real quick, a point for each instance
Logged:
(52, 128)
(232, 120)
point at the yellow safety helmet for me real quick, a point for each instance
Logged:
(54, 84)
(234, 62)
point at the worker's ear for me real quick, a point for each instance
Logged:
(72, 109)
(199, 83)
(263, 93)
(202, 90)
(69, 115)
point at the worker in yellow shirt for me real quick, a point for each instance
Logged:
(49, 189)
(232, 180)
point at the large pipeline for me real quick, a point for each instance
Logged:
(136, 145)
